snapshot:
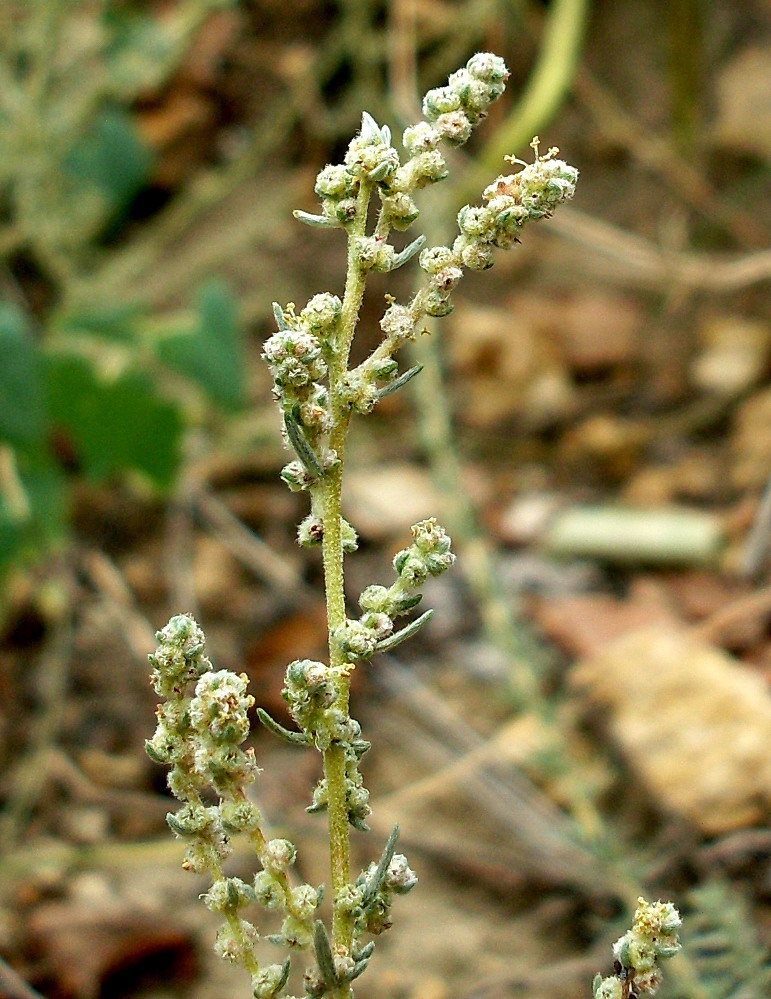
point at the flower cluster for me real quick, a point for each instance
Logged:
(510, 202)
(428, 555)
(653, 937)
(201, 726)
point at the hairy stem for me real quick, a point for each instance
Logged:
(330, 494)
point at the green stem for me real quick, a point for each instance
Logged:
(329, 495)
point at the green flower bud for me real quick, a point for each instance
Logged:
(399, 210)
(268, 981)
(437, 304)
(399, 877)
(477, 256)
(427, 168)
(435, 258)
(322, 314)
(334, 181)
(454, 127)
(267, 890)
(279, 855)
(439, 101)
(355, 641)
(234, 947)
(398, 322)
(420, 138)
(228, 895)
(488, 67)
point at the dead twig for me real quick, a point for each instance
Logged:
(636, 260)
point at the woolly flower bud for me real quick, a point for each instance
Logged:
(477, 256)
(608, 988)
(308, 675)
(369, 157)
(376, 599)
(220, 706)
(429, 554)
(420, 138)
(322, 313)
(228, 894)
(655, 918)
(435, 258)
(279, 854)
(539, 187)
(358, 804)
(305, 899)
(379, 624)
(267, 982)
(430, 537)
(296, 933)
(427, 168)
(355, 641)
(446, 279)
(400, 210)
(363, 393)
(234, 947)
(437, 304)
(439, 101)
(488, 67)
(350, 897)
(296, 476)
(398, 322)
(475, 95)
(349, 539)
(334, 181)
(399, 878)
(454, 127)
(267, 891)
(294, 357)
(384, 369)
(179, 657)
(385, 259)
(310, 531)
(475, 220)
(344, 210)
(239, 816)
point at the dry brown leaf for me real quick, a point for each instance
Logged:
(381, 501)
(507, 365)
(743, 120)
(585, 623)
(733, 356)
(751, 441)
(693, 724)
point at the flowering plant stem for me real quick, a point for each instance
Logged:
(200, 730)
(332, 556)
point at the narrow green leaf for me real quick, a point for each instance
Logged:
(400, 382)
(295, 738)
(375, 881)
(304, 451)
(401, 636)
(324, 957)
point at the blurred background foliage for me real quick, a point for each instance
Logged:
(151, 152)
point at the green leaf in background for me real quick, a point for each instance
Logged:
(212, 354)
(22, 415)
(110, 322)
(114, 426)
(112, 158)
(25, 534)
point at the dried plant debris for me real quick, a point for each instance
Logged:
(694, 725)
